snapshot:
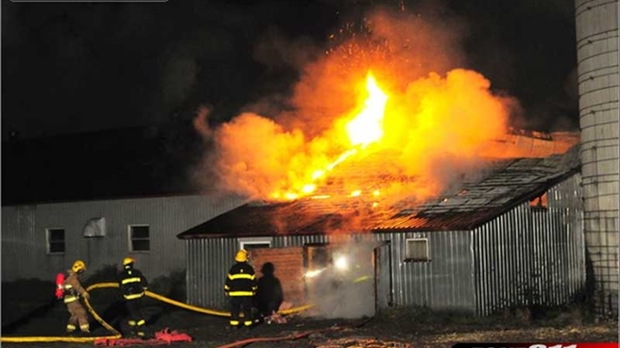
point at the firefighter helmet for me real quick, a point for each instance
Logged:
(242, 256)
(78, 266)
(128, 260)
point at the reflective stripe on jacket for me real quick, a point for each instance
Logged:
(132, 283)
(73, 288)
(241, 280)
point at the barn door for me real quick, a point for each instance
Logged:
(383, 278)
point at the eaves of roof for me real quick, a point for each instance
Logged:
(301, 218)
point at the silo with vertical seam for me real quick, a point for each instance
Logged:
(597, 56)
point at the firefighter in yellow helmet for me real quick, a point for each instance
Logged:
(133, 285)
(240, 287)
(73, 291)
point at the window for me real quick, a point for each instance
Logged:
(139, 238)
(254, 243)
(55, 240)
(539, 203)
(318, 256)
(416, 250)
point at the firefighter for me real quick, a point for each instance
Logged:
(269, 295)
(240, 287)
(133, 285)
(73, 291)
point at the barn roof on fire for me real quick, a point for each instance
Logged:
(478, 198)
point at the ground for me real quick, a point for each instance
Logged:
(402, 327)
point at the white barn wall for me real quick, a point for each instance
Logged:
(21, 250)
(24, 233)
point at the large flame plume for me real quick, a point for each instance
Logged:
(367, 126)
(392, 91)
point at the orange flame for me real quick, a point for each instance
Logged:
(363, 129)
(366, 127)
(439, 122)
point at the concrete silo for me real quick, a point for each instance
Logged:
(597, 56)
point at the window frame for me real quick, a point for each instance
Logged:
(255, 241)
(417, 239)
(130, 238)
(48, 240)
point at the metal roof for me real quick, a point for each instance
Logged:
(478, 198)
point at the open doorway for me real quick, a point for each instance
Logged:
(348, 280)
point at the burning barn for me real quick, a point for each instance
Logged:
(507, 234)
(395, 192)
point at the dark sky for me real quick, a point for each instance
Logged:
(81, 67)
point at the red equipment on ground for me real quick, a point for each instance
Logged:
(162, 337)
(172, 336)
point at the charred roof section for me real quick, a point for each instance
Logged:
(501, 186)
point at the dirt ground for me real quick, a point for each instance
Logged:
(402, 327)
(396, 328)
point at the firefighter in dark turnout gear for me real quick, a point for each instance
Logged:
(133, 286)
(73, 291)
(240, 287)
(269, 295)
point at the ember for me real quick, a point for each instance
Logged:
(425, 126)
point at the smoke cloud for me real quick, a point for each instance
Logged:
(340, 281)
(438, 120)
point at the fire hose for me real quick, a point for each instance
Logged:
(190, 307)
(291, 337)
(115, 333)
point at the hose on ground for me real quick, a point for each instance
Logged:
(31, 339)
(115, 333)
(191, 307)
(291, 337)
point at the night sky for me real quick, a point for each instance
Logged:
(70, 68)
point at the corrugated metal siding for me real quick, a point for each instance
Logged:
(166, 216)
(531, 258)
(208, 261)
(445, 282)
(22, 250)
